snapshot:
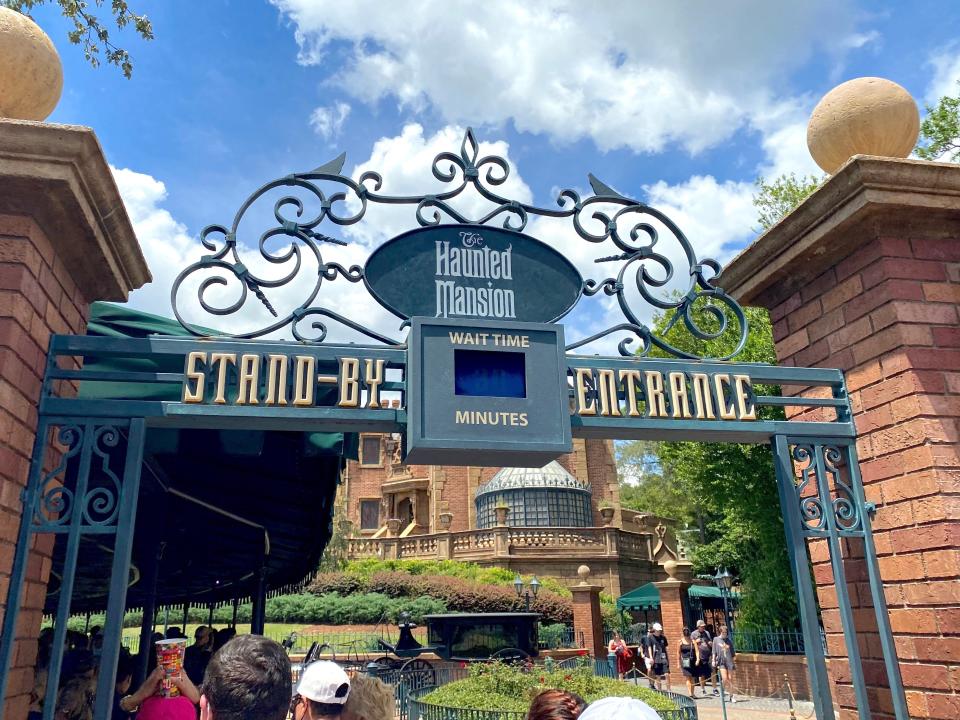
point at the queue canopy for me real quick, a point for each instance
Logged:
(647, 597)
(216, 508)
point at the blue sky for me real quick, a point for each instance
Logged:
(679, 104)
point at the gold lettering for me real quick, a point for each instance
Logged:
(523, 420)
(630, 378)
(656, 402)
(304, 381)
(748, 411)
(373, 377)
(349, 383)
(195, 395)
(248, 382)
(580, 380)
(678, 395)
(276, 380)
(702, 397)
(224, 359)
(462, 417)
(607, 387)
(524, 341)
(727, 412)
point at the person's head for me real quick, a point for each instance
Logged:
(247, 679)
(322, 692)
(202, 636)
(723, 631)
(223, 636)
(686, 633)
(78, 664)
(701, 625)
(174, 633)
(657, 628)
(370, 699)
(125, 667)
(556, 705)
(616, 634)
(619, 708)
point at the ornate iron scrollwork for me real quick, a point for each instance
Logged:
(826, 499)
(705, 310)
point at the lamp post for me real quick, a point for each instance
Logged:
(724, 582)
(534, 587)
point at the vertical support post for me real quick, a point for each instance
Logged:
(259, 603)
(210, 615)
(799, 568)
(120, 570)
(876, 591)
(236, 605)
(87, 431)
(18, 572)
(186, 616)
(152, 571)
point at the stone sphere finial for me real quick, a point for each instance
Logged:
(670, 567)
(583, 572)
(865, 116)
(31, 76)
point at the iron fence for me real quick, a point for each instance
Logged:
(768, 641)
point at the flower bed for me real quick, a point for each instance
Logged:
(495, 691)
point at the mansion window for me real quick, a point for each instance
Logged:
(369, 514)
(370, 451)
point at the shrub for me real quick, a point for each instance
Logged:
(552, 635)
(495, 686)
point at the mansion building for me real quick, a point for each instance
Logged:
(533, 521)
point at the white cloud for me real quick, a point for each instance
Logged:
(634, 75)
(946, 73)
(327, 122)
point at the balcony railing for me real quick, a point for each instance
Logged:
(506, 541)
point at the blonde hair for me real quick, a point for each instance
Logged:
(370, 698)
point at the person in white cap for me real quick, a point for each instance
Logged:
(655, 656)
(619, 708)
(704, 641)
(322, 692)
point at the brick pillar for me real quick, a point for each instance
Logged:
(587, 620)
(865, 276)
(65, 241)
(673, 599)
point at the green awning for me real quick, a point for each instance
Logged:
(647, 597)
(109, 320)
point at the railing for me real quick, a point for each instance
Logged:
(470, 544)
(768, 641)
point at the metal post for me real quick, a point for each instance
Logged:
(259, 603)
(151, 572)
(800, 569)
(210, 615)
(236, 605)
(186, 616)
(120, 570)
(18, 573)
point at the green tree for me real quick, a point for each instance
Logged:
(776, 199)
(726, 492)
(940, 131)
(89, 31)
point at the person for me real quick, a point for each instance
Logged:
(249, 678)
(146, 703)
(655, 656)
(151, 654)
(689, 659)
(197, 656)
(174, 633)
(619, 648)
(619, 708)
(322, 692)
(370, 699)
(556, 705)
(703, 639)
(125, 668)
(78, 686)
(223, 636)
(723, 661)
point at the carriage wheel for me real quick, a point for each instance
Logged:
(511, 656)
(418, 673)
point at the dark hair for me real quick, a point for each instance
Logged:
(125, 667)
(686, 632)
(249, 679)
(223, 636)
(556, 705)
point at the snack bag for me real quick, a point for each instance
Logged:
(170, 658)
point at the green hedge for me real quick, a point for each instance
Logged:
(495, 686)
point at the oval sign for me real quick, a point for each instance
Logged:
(472, 271)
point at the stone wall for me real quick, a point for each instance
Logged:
(766, 675)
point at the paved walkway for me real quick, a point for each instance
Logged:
(748, 708)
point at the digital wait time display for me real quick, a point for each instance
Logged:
(483, 373)
(485, 393)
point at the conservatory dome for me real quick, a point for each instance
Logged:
(537, 497)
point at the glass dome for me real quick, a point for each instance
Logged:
(537, 497)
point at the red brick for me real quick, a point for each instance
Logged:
(927, 537)
(895, 568)
(943, 706)
(901, 311)
(792, 344)
(842, 293)
(941, 292)
(804, 315)
(851, 333)
(786, 307)
(946, 336)
(935, 592)
(936, 249)
(819, 285)
(902, 268)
